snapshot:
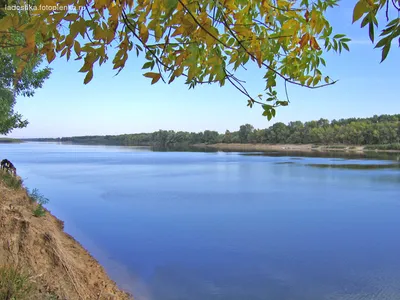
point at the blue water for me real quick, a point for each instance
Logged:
(192, 225)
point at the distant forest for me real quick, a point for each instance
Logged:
(377, 130)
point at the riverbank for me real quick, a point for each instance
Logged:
(9, 140)
(38, 260)
(306, 148)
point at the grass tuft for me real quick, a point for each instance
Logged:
(14, 284)
(41, 200)
(10, 180)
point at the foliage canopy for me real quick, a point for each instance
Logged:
(204, 41)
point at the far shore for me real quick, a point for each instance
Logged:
(304, 148)
(9, 140)
(288, 147)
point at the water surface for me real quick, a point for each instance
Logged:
(192, 225)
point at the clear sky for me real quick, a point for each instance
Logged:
(128, 103)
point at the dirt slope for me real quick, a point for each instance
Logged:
(57, 264)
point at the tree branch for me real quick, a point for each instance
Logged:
(287, 79)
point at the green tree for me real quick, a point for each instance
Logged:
(384, 129)
(9, 120)
(296, 130)
(211, 137)
(227, 137)
(244, 132)
(31, 77)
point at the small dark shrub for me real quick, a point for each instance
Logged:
(37, 197)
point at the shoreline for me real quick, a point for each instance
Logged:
(305, 148)
(38, 247)
(237, 147)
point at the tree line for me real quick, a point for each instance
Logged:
(377, 130)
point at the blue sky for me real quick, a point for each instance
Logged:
(128, 103)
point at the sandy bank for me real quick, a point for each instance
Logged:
(287, 147)
(58, 266)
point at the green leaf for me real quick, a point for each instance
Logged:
(365, 21)
(371, 32)
(283, 103)
(388, 30)
(385, 51)
(338, 36)
(394, 22)
(147, 65)
(171, 4)
(383, 42)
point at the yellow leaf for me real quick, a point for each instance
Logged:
(114, 12)
(71, 17)
(81, 26)
(6, 22)
(86, 67)
(360, 8)
(51, 55)
(158, 33)
(304, 40)
(58, 17)
(178, 72)
(144, 33)
(30, 38)
(88, 77)
(48, 3)
(178, 31)
(69, 40)
(64, 52)
(154, 76)
(77, 48)
(66, 2)
(314, 44)
(101, 3)
(179, 59)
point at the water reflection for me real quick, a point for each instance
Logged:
(333, 154)
(356, 166)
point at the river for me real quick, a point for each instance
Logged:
(219, 226)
